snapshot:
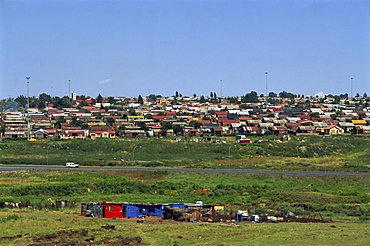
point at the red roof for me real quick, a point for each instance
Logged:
(329, 127)
(227, 121)
(275, 109)
(204, 121)
(221, 112)
(102, 131)
(160, 117)
(50, 130)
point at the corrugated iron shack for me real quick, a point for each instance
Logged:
(124, 210)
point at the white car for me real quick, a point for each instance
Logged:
(72, 165)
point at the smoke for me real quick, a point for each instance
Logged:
(11, 106)
(320, 94)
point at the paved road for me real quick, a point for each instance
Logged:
(4, 168)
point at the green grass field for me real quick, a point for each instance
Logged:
(52, 227)
(344, 200)
(334, 153)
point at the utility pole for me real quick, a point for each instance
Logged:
(28, 106)
(221, 87)
(266, 85)
(69, 88)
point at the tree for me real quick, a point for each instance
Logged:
(167, 124)
(148, 116)
(111, 100)
(41, 105)
(272, 94)
(140, 100)
(176, 94)
(211, 94)
(142, 125)
(75, 122)
(357, 95)
(132, 112)
(110, 120)
(365, 95)
(315, 115)
(177, 129)
(194, 95)
(250, 97)
(98, 116)
(22, 100)
(152, 97)
(44, 98)
(202, 99)
(285, 94)
(271, 100)
(99, 98)
(60, 120)
(195, 124)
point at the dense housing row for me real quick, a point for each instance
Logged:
(189, 117)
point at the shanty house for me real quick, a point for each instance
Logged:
(112, 210)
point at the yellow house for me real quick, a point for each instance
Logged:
(333, 130)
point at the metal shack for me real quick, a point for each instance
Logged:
(101, 210)
(112, 210)
(124, 210)
(138, 210)
(92, 209)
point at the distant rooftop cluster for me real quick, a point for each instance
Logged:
(156, 116)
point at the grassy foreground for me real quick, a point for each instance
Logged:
(53, 228)
(344, 200)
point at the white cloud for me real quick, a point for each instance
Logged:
(105, 81)
(320, 94)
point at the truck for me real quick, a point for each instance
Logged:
(72, 165)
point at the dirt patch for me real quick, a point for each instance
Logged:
(10, 180)
(79, 238)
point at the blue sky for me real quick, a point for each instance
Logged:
(142, 47)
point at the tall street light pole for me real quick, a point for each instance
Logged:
(28, 106)
(69, 88)
(266, 83)
(230, 156)
(133, 153)
(351, 87)
(221, 87)
(47, 154)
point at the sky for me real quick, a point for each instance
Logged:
(140, 47)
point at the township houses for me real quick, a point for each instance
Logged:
(188, 117)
